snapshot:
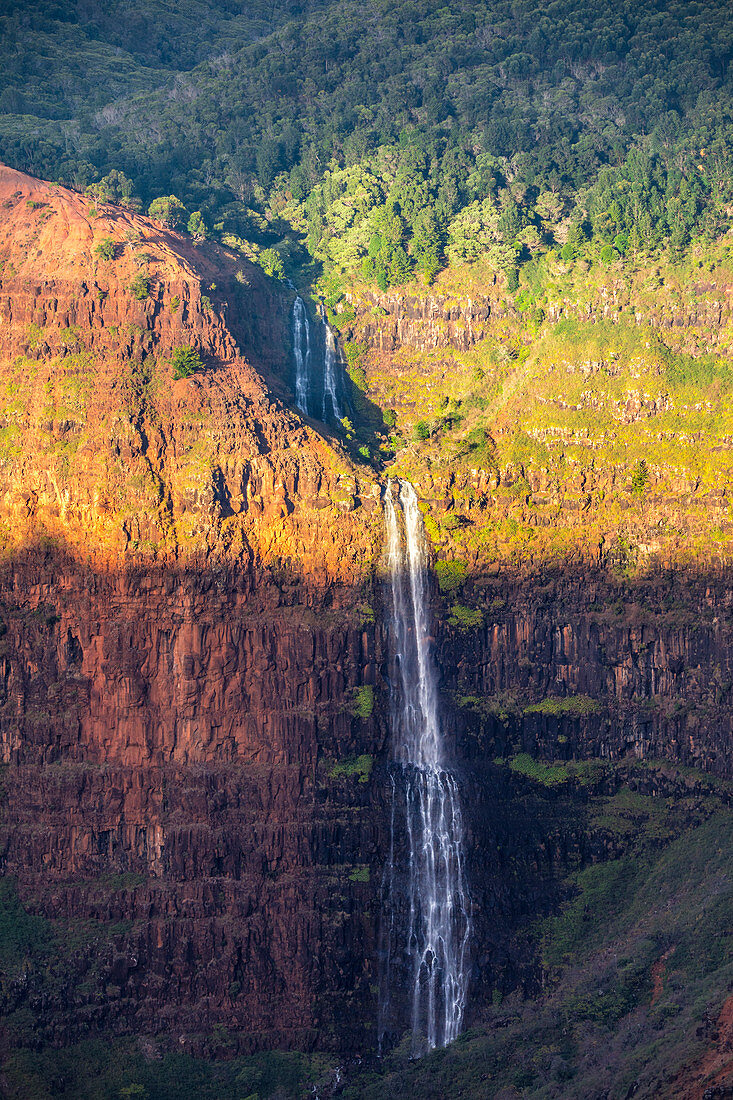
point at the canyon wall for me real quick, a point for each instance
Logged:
(193, 686)
(185, 625)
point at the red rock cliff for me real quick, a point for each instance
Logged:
(180, 649)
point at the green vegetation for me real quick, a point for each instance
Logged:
(584, 773)
(450, 575)
(363, 701)
(441, 137)
(360, 874)
(96, 1070)
(353, 767)
(197, 226)
(465, 618)
(552, 436)
(21, 935)
(571, 706)
(185, 362)
(105, 249)
(271, 263)
(169, 210)
(140, 286)
(639, 477)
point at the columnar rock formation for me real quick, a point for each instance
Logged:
(193, 666)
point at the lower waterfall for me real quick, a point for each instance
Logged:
(426, 926)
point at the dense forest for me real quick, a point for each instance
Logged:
(391, 139)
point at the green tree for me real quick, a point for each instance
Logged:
(169, 210)
(140, 286)
(105, 249)
(197, 226)
(271, 263)
(400, 268)
(115, 187)
(639, 477)
(185, 362)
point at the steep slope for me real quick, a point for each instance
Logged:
(181, 641)
(99, 439)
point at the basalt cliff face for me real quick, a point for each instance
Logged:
(193, 688)
(181, 642)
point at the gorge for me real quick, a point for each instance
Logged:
(264, 792)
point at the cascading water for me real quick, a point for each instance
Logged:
(427, 910)
(314, 395)
(302, 353)
(330, 363)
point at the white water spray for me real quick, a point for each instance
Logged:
(436, 940)
(330, 363)
(302, 353)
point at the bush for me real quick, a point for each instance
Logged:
(359, 874)
(359, 767)
(450, 575)
(573, 706)
(105, 249)
(465, 618)
(167, 209)
(639, 477)
(186, 361)
(421, 431)
(363, 703)
(140, 286)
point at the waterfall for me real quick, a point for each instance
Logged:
(330, 362)
(302, 353)
(315, 395)
(432, 938)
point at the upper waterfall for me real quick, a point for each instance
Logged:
(319, 383)
(302, 354)
(330, 367)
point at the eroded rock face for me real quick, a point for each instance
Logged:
(169, 742)
(182, 638)
(189, 608)
(637, 671)
(105, 451)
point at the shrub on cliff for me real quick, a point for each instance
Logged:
(639, 477)
(105, 249)
(465, 618)
(353, 767)
(140, 286)
(363, 703)
(186, 361)
(450, 575)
